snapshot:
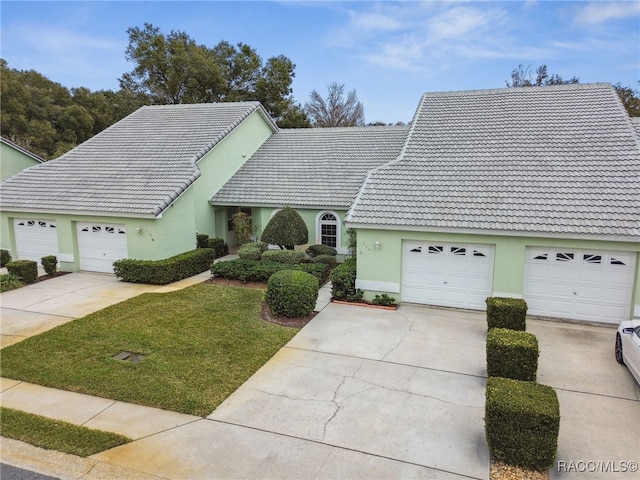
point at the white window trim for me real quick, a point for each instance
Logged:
(340, 249)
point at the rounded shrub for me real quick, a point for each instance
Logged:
(27, 270)
(286, 228)
(328, 259)
(201, 240)
(284, 256)
(252, 250)
(5, 257)
(316, 250)
(292, 293)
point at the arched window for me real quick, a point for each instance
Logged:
(328, 229)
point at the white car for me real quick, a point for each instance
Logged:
(628, 346)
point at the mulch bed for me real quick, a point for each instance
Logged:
(265, 312)
(501, 471)
(42, 278)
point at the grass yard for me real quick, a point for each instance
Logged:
(56, 435)
(200, 344)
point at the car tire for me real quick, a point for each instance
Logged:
(619, 357)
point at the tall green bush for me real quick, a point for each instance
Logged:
(168, 270)
(506, 313)
(5, 257)
(343, 282)
(219, 246)
(512, 354)
(242, 229)
(286, 229)
(27, 270)
(292, 293)
(522, 421)
(201, 240)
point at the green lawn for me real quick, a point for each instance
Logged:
(201, 343)
(55, 434)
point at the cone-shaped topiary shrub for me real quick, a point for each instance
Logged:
(292, 293)
(287, 229)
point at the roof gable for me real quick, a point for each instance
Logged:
(137, 166)
(312, 167)
(552, 160)
(24, 151)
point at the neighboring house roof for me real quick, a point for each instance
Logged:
(22, 150)
(136, 167)
(560, 160)
(321, 167)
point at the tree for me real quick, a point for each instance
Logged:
(523, 77)
(286, 229)
(630, 98)
(173, 69)
(335, 111)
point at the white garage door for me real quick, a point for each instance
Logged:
(35, 238)
(587, 285)
(101, 244)
(452, 275)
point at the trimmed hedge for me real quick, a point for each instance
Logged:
(512, 354)
(316, 250)
(522, 420)
(162, 272)
(201, 240)
(328, 259)
(283, 256)
(252, 250)
(5, 257)
(292, 293)
(343, 282)
(506, 313)
(260, 271)
(50, 264)
(27, 270)
(219, 246)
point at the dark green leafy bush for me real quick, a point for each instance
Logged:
(286, 228)
(8, 281)
(201, 240)
(328, 259)
(219, 246)
(252, 250)
(384, 300)
(50, 264)
(292, 293)
(27, 270)
(506, 313)
(522, 420)
(260, 271)
(5, 257)
(283, 256)
(512, 354)
(343, 282)
(315, 250)
(161, 272)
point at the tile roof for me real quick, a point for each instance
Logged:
(136, 167)
(559, 160)
(37, 158)
(322, 167)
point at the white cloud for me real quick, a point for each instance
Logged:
(600, 12)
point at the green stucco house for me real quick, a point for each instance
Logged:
(531, 193)
(14, 159)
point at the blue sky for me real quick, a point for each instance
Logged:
(389, 52)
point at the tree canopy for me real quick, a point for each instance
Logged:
(286, 229)
(173, 69)
(335, 111)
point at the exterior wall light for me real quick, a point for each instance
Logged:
(378, 244)
(139, 230)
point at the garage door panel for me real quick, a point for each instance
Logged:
(587, 285)
(35, 238)
(101, 244)
(458, 275)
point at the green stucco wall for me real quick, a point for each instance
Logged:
(219, 165)
(384, 266)
(13, 161)
(261, 216)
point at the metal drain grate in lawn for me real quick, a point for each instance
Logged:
(129, 357)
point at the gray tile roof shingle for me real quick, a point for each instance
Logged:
(321, 167)
(551, 160)
(136, 167)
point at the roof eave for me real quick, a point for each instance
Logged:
(52, 212)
